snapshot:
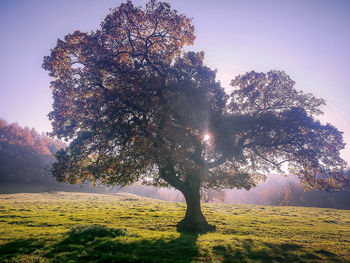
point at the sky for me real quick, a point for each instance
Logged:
(308, 39)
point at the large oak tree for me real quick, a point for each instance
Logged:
(136, 107)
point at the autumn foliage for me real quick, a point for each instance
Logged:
(25, 155)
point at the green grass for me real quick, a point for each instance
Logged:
(81, 227)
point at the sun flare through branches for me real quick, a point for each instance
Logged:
(206, 138)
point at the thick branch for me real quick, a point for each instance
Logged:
(168, 174)
(268, 160)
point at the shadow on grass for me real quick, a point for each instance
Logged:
(101, 244)
(250, 251)
(19, 247)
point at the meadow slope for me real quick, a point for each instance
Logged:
(83, 227)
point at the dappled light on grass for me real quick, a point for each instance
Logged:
(59, 227)
(248, 250)
(182, 249)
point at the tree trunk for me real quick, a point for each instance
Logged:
(194, 220)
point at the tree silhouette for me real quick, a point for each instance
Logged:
(136, 108)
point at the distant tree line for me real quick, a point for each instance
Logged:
(26, 158)
(25, 155)
(293, 194)
(287, 191)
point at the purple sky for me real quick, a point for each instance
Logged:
(309, 39)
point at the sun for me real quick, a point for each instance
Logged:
(206, 138)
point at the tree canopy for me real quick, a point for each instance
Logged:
(135, 106)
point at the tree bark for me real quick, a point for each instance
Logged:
(194, 220)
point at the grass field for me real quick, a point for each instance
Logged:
(81, 227)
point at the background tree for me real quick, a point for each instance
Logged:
(135, 108)
(25, 155)
(208, 195)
